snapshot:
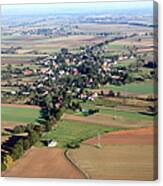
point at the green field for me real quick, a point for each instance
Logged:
(127, 114)
(141, 88)
(24, 115)
(70, 131)
(125, 63)
(130, 115)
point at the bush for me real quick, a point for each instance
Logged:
(26, 144)
(17, 150)
(7, 162)
(19, 129)
(73, 145)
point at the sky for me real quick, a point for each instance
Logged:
(73, 8)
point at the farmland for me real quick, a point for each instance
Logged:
(21, 115)
(41, 168)
(119, 153)
(116, 162)
(79, 92)
(140, 88)
(70, 131)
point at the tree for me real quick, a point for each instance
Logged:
(33, 137)
(17, 150)
(7, 161)
(26, 144)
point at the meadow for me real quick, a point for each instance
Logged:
(73, 131)
(146, 87)
(21, 115)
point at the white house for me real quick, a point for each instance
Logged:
(51, 143)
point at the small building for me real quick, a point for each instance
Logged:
(51, 143)
(27, 72)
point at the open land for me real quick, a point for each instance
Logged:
(59, 166)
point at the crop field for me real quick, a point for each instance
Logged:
(143, 136)
(125, 63)
(109, 120)
(114, 28)
(19, 114)
(75, 131)
(40, 45)
(19, 59)
(35, 164)
(140, 88)
(115, 161)
(145, 41)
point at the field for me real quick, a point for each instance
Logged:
(140, 136)
(35, 164)
(124, 154)
(109, 120)
(32, 44)
(21, 115)
(131, 162)
(73, 131)
(139, 88)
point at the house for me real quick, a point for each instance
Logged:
(51, 143)
(27, 72)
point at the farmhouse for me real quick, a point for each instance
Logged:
(51, 143)
(27, 72)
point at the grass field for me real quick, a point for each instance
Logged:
(141, 88)
(24, 115)
(125, 63)
(73, 131)
(130, 115)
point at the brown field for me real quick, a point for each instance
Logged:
(108, 120)
(93, 27)
(142, 136)
(10, 124)
(21, 106)
(54, 44)
(43, 163)
(134, 41)
(131, 162)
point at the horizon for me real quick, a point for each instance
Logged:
(77, 8)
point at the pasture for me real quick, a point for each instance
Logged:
(109, 120)
(19, 114)
(146, 87)
(75, 131)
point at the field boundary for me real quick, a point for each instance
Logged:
(67, 156)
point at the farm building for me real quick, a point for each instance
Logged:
(51, 143)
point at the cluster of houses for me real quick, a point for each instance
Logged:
(83, 70)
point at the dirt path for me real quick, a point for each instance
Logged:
(21, 106)
(44, 163)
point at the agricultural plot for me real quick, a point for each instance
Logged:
(35, 163)
(109, 120)
(19, 114)
(130, 162)
(139, 136)
(74, 132)
(136, 88)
